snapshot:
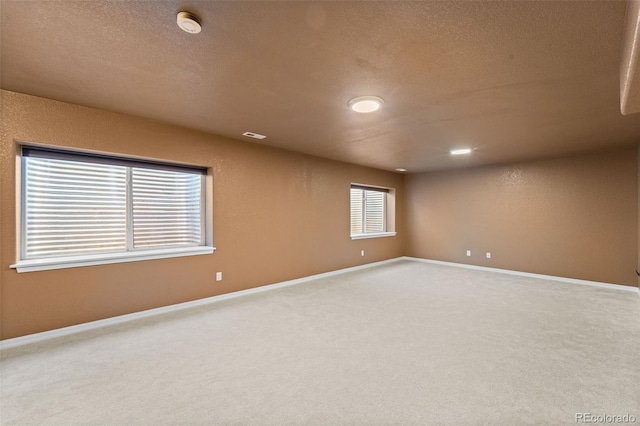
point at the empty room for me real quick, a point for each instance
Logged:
(319, 212)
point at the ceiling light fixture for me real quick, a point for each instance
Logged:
(365, 104)
(254, 135)
(401, 170)
(189, 22)
(460, 151)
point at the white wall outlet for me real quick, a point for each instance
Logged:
(218, 276)
(488, 255)
(361, 252)
(468, 252)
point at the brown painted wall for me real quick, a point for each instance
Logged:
(280, 215)
(277, 216)
(572, 217)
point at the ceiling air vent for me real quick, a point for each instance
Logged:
(254, 135)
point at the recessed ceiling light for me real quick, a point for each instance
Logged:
(254, 135)
(460, 151)
(365, 104)
(401, 170)
(189, 22)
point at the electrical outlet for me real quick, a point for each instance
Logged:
(488, 255)
(468, 252)
(361, 252)
(218, 276)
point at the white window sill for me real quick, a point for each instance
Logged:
(372, 235)
(107, 258)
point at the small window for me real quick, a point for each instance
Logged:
(84, 206)
(369, 212)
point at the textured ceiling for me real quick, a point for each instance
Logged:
(514, 80)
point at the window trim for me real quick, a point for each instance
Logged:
(72, 261)
(373, 235)
(62, 262)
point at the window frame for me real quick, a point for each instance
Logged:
(132, 254)
(388, 208)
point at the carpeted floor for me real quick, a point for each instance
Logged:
(406, 343)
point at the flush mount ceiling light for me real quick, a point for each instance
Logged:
(254, 135)
(189, 22)
(462, 151)
(401, 170)
(364, 104)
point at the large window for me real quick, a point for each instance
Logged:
(369, 212)
(78, 208)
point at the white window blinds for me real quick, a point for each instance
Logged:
(166, 208)
(374, 203)
(76, 204)
(73, 208)
(357, 210)
(368, 210)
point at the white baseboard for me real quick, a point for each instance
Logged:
(528, 274)
(65, 331)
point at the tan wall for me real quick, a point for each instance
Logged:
(277, 216)
(572, 217)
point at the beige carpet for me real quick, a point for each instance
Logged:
(407, 343)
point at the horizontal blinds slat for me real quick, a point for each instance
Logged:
(166, 208)
(73, 208)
